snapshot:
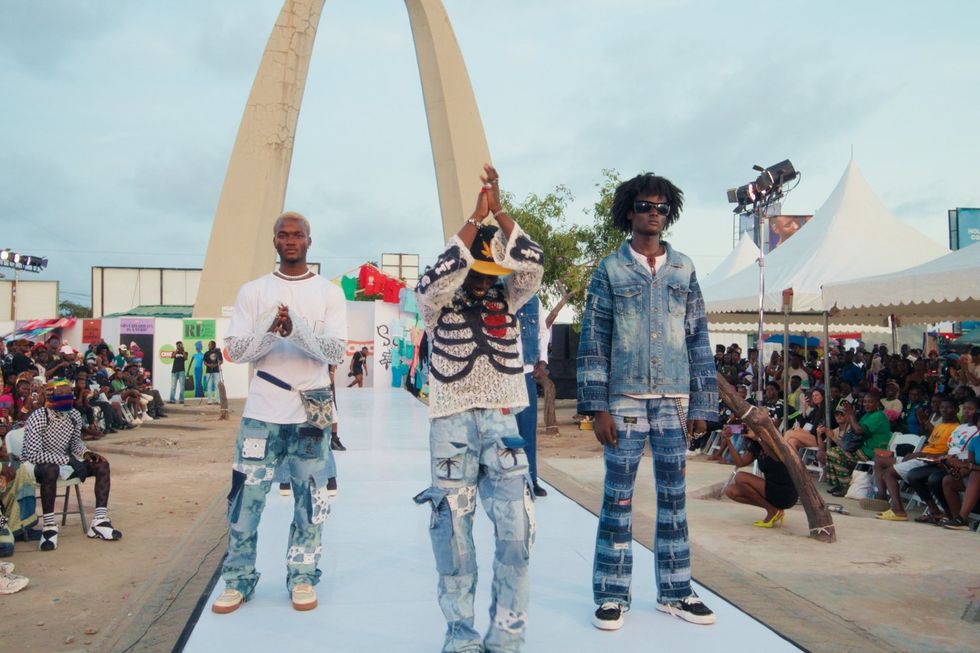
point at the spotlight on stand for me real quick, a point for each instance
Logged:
(26, 262)
(775, 175)
(767, 186)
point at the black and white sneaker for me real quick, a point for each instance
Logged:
(608, 616)
(49, 539)
(689, 609)
(103, 530)
(955, 524)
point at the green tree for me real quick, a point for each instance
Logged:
(571, 251)
(68, 308)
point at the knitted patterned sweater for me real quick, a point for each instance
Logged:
(476, 352)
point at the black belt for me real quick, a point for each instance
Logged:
(274, 380)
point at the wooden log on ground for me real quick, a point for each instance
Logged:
(223, 398)
(818, 517)
(550, 416)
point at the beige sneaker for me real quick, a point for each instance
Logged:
(9, 583)
(6, 567)
(304, 597)
(229, 601)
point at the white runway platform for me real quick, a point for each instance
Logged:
(378, 590)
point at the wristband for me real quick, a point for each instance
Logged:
(475, 223)
(496, 213)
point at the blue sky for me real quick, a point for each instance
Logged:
(119, 117)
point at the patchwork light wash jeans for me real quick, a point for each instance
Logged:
(261, 446)
(479, 450)
(636, 421)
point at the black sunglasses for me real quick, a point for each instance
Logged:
(642, 206)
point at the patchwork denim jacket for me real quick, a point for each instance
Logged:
(645, 334)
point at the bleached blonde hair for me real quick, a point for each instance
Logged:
(291, 215)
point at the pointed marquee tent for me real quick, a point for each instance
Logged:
(852, 235)
(947, 288)
(745, 254)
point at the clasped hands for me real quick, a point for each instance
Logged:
(283, 324)
(488, 201)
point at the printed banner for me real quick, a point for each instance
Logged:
(199, 330)
(91, 331)
(135, 326)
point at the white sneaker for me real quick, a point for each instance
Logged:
(228, 601)
(6, 567)
(608, 616)
(304, 597)
(10, 583)
(103, 530)
(690, 609)
(49, 538)
(147, 418)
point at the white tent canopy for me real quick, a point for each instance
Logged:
(852, 235)
(947, 288)
(745, 254)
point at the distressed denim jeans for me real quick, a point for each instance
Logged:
(638, 420)
(260, 447)
(480, 451)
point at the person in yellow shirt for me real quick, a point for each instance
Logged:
(916, 469)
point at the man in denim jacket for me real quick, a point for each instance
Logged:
(643, 362)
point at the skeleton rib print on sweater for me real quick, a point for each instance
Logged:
(476, 352)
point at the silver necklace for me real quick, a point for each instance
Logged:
(298, 277)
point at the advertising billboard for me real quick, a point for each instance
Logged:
(782, 228)
(964, 227)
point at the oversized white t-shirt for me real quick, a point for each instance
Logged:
(319, 313)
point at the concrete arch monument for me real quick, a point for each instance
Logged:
(254, 188)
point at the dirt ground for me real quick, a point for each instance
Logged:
(169, 478)
(164, 474)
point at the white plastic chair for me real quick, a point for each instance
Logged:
(15, 446)
(809, 457)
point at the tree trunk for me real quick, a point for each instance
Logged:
(550, 417)
(223, 398)
(818, 517)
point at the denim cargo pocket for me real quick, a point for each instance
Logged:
(449, 461)
(254, 441)
(510, 452)
(235, 496)
(441, 530)
(319, 502)
(677, 298)
(308, 442)
(627, 300)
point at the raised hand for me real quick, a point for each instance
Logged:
(491, 184)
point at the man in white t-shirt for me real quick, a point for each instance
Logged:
(291, 325)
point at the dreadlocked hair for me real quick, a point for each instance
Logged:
(646, 183)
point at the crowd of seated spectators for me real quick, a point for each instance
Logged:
(872, 395)
(53, 397)
(113, 391)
